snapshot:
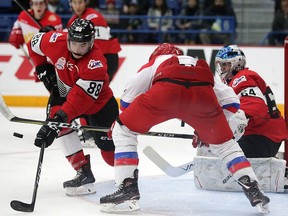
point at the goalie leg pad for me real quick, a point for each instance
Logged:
(233, 157)
(211, 174)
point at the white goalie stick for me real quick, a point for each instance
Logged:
(11, 117)
(165, 166)
(173, 171)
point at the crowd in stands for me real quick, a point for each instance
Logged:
(174, 21)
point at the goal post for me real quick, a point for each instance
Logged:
(286, 93)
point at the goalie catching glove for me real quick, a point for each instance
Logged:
(47, 134)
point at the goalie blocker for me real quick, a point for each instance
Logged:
(211, 174)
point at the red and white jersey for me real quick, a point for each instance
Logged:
(28, 28)
(104, 40)
(84, 82)
(142, 81)
(251, 88)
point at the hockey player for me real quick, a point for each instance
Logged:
(76, 75)
(257, 101)
(171, 86)
(109, 46)
(25, 27)
(259, 142)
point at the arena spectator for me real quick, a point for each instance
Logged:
(191, 9)
(159, 9)
(218, 8)
(132, 24)
(56, 6)
(143, 6)
(280, 25)
(111, 14)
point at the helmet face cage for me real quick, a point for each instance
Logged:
(81, 31)
(232, 58)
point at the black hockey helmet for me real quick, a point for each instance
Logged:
(81, 30)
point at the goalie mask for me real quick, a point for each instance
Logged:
(80, 37)
(165, 49)
(228, 61)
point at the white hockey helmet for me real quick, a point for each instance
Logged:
(228, 61)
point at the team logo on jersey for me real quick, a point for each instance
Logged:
(94, 64)
(54, 37)
(91, 16)
(60, 63)
(52, 17)
(238, 80)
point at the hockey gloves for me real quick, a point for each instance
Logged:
(47, 28)
(46, 73)
(47, 134)
(16, 38)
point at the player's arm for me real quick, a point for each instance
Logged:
(45, 71)
(91, 86)
(16, 35)
(227, 98)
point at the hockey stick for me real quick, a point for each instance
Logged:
(11, 117)
(170, 170)
(25, 207)
(165, 166)
(27, 12)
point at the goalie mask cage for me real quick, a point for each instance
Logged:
(286, 93)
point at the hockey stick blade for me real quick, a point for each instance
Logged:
(24, 207)
(165, 166)
(20, 206)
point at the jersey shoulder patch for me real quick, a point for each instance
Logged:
(238, 80)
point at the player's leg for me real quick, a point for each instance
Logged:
(124, 134)
(217, 131)
(105, 118)
(82, 183)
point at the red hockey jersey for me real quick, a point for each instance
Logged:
(25, 28)
(251, 89)
(106, 43)
(84, 82)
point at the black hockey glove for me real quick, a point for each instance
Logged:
(48, 134)
(47, 28)
(46, 73)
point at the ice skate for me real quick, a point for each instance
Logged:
(253, 193)
(82, 183)
(125, 198)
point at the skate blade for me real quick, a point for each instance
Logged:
(82, 190)
(127, 206)
(263, 209)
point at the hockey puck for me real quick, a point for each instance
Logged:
(18, 135)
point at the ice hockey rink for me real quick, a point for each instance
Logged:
(160, 194)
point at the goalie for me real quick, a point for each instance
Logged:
(263, 134)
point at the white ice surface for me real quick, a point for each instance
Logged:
(160, 194)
